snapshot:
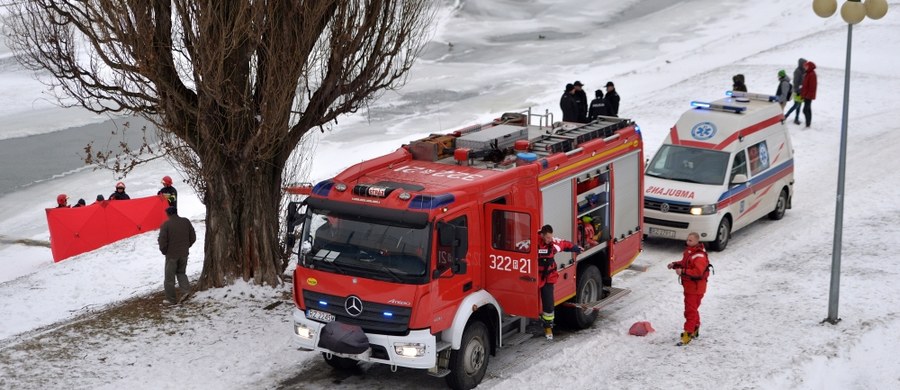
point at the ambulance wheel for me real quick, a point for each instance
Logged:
(780, 207)
(340, 363)
(588, 289)
(723, 234)
(469, 363)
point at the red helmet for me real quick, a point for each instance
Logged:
(167, 181)
(120, 185)
(62, 199)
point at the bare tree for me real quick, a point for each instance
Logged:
(233, 86)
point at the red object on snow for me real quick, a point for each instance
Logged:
(641, 328)
(74, 231)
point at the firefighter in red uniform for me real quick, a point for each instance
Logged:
(694, 271)
(548, 247)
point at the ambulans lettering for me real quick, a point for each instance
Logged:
(448, 173)
(654, 190)
(506, 263)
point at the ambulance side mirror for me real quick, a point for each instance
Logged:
(740, 178)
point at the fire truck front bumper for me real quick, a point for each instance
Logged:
(417, 349)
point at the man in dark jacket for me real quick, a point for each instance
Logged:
(808, 92)
(798, 85)
(120, 193)
(175, 238)
(168, 191)
(567, 104)
(611, 100)
(598, 106)
(581, 102)
(739, 85)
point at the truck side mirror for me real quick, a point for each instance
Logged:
(294, 219)
(740, 178)
(446, 234)
(460, 250)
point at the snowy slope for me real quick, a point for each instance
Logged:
(761, 317)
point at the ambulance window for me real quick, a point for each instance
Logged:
(511, 231)
(739, 166)
(445, 253)
(759, 158)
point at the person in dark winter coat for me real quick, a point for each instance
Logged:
(611, 101)
(81, 203)
(176, 236)
(168, 191)
(739, 85)
(568, 105)
(597, 107)
(798, 85)
(581, 102)
(62, 201)
(783, 92)
(693, 269)
(548, 247)
(120, 193)
(808, 92)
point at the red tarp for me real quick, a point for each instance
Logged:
(77, 230)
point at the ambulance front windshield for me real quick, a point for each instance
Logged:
(357, 247)
(692, 165)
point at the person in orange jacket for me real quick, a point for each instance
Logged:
(694, 272)
(548, 247)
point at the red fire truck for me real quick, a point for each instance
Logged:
(422, 259)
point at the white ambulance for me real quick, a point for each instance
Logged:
(723, 165)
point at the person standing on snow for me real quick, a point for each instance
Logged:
(548, 247)
(176, 236)
(168, 191)
(581, 102)
(808, 92)
(798, 85)
(567, 104)
(739, 85)
(611, 101)
(784, 89)
(597, 107)
(694, 271)
(120, 193)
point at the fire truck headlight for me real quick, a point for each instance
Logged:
(703, 210)
(410, 349)
(304, 332)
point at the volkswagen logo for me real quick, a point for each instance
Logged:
(353, 305)
(664, 207)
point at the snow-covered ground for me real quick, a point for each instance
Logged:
(761, 316)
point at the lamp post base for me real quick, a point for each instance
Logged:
(831, 321)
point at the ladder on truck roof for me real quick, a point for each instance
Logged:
(562, 141)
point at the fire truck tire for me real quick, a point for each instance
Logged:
(723, 234)
(588, 289)
(780, 206)
(340, 363)
(469, 363)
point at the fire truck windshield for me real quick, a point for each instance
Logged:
(690, 165)
(358, 247)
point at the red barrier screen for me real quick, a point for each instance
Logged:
(77, 230)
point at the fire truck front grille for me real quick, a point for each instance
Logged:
(375, 317)
(663, 222)
(672, 208)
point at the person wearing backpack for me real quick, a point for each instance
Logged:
(693, 270)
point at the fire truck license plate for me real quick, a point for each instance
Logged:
(662, 233)
(319, 315)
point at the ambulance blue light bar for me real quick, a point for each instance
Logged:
(750, 95)
(718, 107)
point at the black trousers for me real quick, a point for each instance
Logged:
(807, 111)
(547, 299)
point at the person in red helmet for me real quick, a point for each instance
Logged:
(62, 201)
(120, 193)
(168, 191)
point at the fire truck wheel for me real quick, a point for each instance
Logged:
(340, 363)
(723, 233)
(587, 291)
(469, 363)
(780, 207)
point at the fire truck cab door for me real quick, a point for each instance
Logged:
(511, 270)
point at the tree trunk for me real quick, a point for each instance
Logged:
(242, 224)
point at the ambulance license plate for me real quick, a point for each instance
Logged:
(662, 233)
(317, 315)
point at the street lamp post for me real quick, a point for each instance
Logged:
(853, 12)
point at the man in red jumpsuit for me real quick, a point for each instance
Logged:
(694, 271)
(548, 247)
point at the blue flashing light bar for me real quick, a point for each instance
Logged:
(718, 107)
(750, 95)
(323, 188)
(428, 202)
